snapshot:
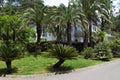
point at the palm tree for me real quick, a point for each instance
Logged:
(11, 32)
(55, 23)
(69, 16)
(90, 8)
(82, 19)
(105, 9)
(36, 16)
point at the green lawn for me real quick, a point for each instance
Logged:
(40, 65)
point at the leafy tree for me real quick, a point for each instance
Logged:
(62, 53)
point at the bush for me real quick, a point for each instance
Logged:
(88, 53)
(10, 52)
(115, 45)
(62, 53)
(103, 51)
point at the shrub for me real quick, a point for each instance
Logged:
(115, 45)
(103, 51)
(62, 53)
(10, 53)
(88, 53)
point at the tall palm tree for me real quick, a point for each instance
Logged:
(105, 8)
(36, 16)
(55, 23)
(82, 20)
(90, 8)
(69, 16)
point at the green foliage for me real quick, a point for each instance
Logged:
(88, 53)
(99, 36)
(64, 52)
(115, 45)
(30, 35)
(103, 51)
(116, 26)
(10, 52)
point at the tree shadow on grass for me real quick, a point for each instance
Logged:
(4, 71)
(61, 70)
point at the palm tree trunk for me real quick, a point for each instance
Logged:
(58, 34)
(60, 62)
(90, 33)
(39, 32)
(69, 33)
(9, 66)
(102, 24)
(85, 39)
(14, 35)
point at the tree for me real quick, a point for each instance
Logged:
(55, 24)
(116, 26)
(62, 53)
(105, 12)
(10, 52)
(90, 9)
(69, 16)
(11, 46)
(36, 16)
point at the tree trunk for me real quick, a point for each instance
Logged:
(14, 35)
(58, 34)
(69, 33)
(9, 66)
(85, 39)
(39, 32)
(90, 34)
(59, 63)
(102, 24)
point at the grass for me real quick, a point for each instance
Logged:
(40, 64)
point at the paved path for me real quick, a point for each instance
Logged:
(107, 71)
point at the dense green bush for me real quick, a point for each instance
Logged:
(115, 45)
(88, 53)
(62, 53)
(103, 51)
